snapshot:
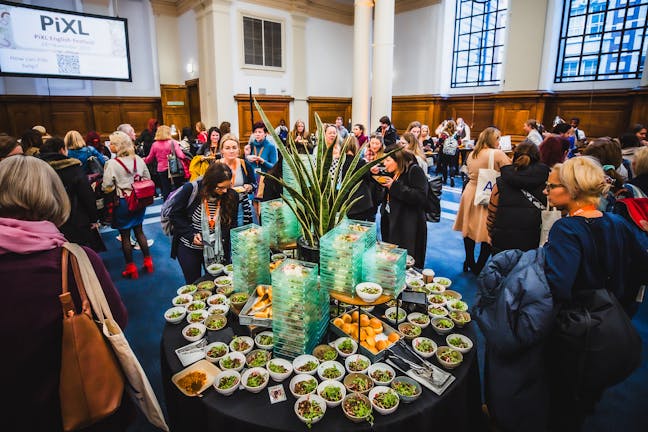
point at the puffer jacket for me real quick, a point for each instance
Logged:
(514, 310)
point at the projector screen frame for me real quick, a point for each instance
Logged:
(85, 77)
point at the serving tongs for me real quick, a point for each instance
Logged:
(407, 348)
(415, 367)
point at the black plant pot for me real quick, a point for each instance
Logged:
(306, 252)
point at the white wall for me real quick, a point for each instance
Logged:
(329, 58)
(416, 59)
(142, 47)
(188, 40)
(168, 44)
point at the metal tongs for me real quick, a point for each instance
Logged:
(425, 362)
(423, 371)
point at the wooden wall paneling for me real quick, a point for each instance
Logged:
(71, 116)
(4, 121)
(107, 117)
(406, 109)
(274, 107)
(328, 108)
(23, 115)
(478, 113)
(515, 108)
(138, 113)
(639, 108)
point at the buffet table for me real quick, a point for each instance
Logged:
(458, 408)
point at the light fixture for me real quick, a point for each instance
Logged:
(190, 68)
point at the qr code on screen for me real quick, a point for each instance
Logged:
(68, 64)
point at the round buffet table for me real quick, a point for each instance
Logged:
(458, 408)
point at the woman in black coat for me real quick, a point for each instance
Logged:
(83, 212)
(365, 208)
(514, 211)
(402, 215)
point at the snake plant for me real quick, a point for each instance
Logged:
(321, 200)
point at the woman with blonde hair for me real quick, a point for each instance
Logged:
(299, 135)
(414, 128)
(412, 145)
(588, 250)
(471, 218)
(78, 149)
(448, 147)
(33, 205)
(119, 174)
(162, 147)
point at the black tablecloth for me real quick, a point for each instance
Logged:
(459, 407)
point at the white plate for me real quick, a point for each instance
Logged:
(203, 366)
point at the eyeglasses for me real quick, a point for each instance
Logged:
(551, 186)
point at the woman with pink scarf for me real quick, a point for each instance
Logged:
(33, 204)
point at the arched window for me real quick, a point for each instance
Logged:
(602, 40)
(478, 43)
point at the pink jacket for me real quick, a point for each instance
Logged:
(160, 150)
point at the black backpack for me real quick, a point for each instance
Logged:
(433, 199)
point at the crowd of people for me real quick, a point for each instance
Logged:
(52, 186)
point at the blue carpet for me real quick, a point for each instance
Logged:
(622, 407)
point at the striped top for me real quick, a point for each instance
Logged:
(196, 224)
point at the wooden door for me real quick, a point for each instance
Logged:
(193, 89)
(175, 106)
(274, 107)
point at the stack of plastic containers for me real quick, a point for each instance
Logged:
(362, 227)
(341, 251)
(300, 309)
(250, 257)
(384, 263)
(281, 224)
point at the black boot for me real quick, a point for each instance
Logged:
(469, 248)
(484, 254)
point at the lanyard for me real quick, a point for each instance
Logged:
(234, 170)
(211, 219)
(389, 190)
(254, 149)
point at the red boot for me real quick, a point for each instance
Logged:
(131, 271)
(148, 264)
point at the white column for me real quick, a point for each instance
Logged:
(644, 75)
(361, 62)
(299, 70)
(216, 81)
(383, 61)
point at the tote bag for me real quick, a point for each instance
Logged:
(486, 181)
(549, 217)
(139, 387)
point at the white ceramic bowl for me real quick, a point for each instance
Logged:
(198, 316)
(196, 305)
(460, 318)
(383, 368)
(461, 343)
(353, 384)
(175, 314)
(415, 284)
(439, 311)
(222, 309)
(368, 291)
(278, 257)
(215, 321)
(264, 334)
(344, 354)
(331, 383)
(328, 365)
(301, 378)
(457, 305)
(402, 315)
(452, 294)
(182, 300)
(434, 288)
(442, 325)
(229, 269)
(217, 299)
(353, 363)
(212, 347)
(187, 289)
(442, 353)
(257, 358)
(228, 373)
(207, 285)
(426, 342)
(215, 269)
(437, 300)
(419, 319)
(409, 330)
(379, 390)
(258, 371)
(351, 416)
(442, 281)
(408, 380)
(313, 398)
(279, 376)
(304, 359)
(201, 295)
(230, 356)
(223, 280)
(243, 344)
(409, 261)
(199, 332)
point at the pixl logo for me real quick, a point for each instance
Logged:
(62, 25)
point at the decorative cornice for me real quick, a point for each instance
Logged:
(164, 7)
(409, 5)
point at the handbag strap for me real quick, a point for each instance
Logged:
(535, 201)
(67, 302)
(136, 176)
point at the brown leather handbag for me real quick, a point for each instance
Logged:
(91, 382)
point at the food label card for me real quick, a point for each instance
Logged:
(192, 353)
(277, 393)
